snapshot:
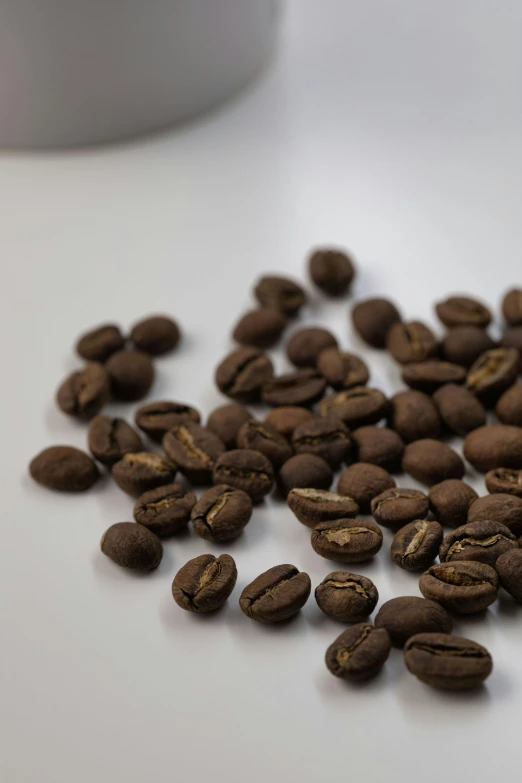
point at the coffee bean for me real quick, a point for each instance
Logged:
(394, 507)
(362, 482)
(306, 471)
(279, 293)
(509, 569)
(132, 546)
(342, 370)
(194, 449)
(301, 387)
(260, 328)
(430, 375)
(110, 438)
(379, 446)
(504, 480)
(204, 583)
(100, 343)
(372, 319)
(512, 307)
(346, 597)
(326, 437)
(332, 271)
(287, 418)
(464, 344)
(409, 615)
(411, 342)
(265, 439)
(450, 501)
(509, 406)
(276, 595)
(416, 545)
(221, 513)
(305, 345)
(84, 393)
(358, 653)
(414, 416)
(494, 446)
(357, 406)
(347, 540)
(242, 374)
(141, 471)
(247, 470)
(430, 462)
(312, 506)
(461, 587)
(448, 662)
(131, 374)
(165, 510)
(505, 509)
(226, 421)
(493, 373)
(483, 541)
(157, 418)
(155, 335)
(460, 411)
(64, 468)
(462, 311)
(512, 338)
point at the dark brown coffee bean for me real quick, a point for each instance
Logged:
(430, 462)
(260, 328)
(265, 439)
(414, 416)
(494, 446)
(505, 481)
(505, 509)
(165, 510)
(358, 653)
(411, 342)
(131, 374)
(509, 406)
(448, 662)
(141, 471)
(373, 318)
(430, 375)
(347, 540)
(332, 271)
(279, 293)
(394, 507)
(242, 374)
(276, 595)
(357, 406)
(110, 438)
(226, 421)
(509, 569)
(194, 449)
(450, 501)
(481, 541)
(493, 373)
(64, 468)
(346, 597)
(342, 370)
(362, 482)
(301, 387)
(462, 311)
(312, 506)
(287, 418)
(204, 583)
(221, 513)
(84, 393)
(416, 545)
(512, 307)
(512, 338)
(461, 587)
(245, 469)
(132, 546)
(305, 345)
(306, 471)
(155, 335)
(326, 437)
(100, 343)
(409, 615)
(459, 409)
(379, 446)
(157, 418)
(464, 344)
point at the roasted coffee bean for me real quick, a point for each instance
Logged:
(512, 338)
(357, 406)
(509, 569)
(110, 438)
(260, 328)
(430, 375)
(276, 595)
(64, 468)
(132, 546)
(379, 446)
(306, 471)
(512, 307)
(140, 471)
(493, 373)
(416, 545)
(305, 345)
(450, 501)
(342, 370)
(157, 418)
(494, 446)
(312, 506)
(430, 462)
(332, 271)
(409, 615)
(481, 541)
(358, 653)
(204, 583)
(505, 481)
(131, 374)
(346, 597)
(279, 293)
(372, 319)
(414, 416)
(459, 409)
(347, 540)
(165, 510)
(221, 513)
(100, 343)
(448, 662)
(411, 342)
(242, 374)
(498, 508)
(156, 335)
(464, 344)
(194, 449)
(84, 393)
(326, 437)
(462, 311)
(394, 507)
(287, 418)
(265, 439)
(462, 587)
(301, 387)
(362, 482)
(226, 421)
(247, 470)
(509, 406)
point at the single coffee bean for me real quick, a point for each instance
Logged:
(276, 595)
(301, 387)
(409, 615)
(221, 513)
(64, 468)
(430, 462)
(362, 482)
(512, 338)
(260, 328)
(414, 416)
(411, 342)
(509, 406)
(204, 583)
(372, 319)
(394, 507)
(461, 587)
(84, 393)
(132, 546)
(356, 407)
(131, 374)
(332, 271)
(358, 653)
(274, 292)
(242, 374)
(379, 446)
(430, 375)
(493, 373)
(287, 418)
(165, 510)
(141, 471)
(265, 439)
(226, 421)
(306, 471)
(416, 545)
(509, 569)
(459, 409)
(462, 311)
(505, 509)
(505, 481)
(100, 343)
(347, 540)
(305, 345)
(157, 418)
(464, 344)
(326, 437)
(155, 335)
(481, 541)
(346, 597)
(110, 438)
(247, 470)
(494, 446)
(512, 307)
(448, 662)
(450, 501)
(194, 449)
(312, 506)
(342, 370)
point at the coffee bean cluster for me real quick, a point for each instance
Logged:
(324, 417)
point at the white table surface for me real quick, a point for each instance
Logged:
(391, 128)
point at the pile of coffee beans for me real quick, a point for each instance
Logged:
(322, 417)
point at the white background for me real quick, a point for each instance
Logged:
(389, 128)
